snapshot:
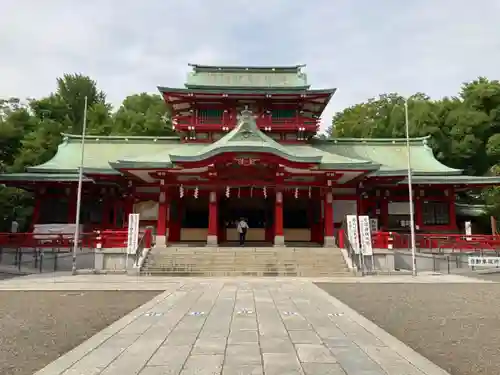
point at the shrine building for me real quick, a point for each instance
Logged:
(246, 147)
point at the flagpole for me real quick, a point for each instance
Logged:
(410, 193)
(76, 237)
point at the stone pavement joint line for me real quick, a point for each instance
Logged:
(230, 327)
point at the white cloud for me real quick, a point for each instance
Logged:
(363, 48)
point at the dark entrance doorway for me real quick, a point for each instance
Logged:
(258, 212)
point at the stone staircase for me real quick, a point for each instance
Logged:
(245, 261)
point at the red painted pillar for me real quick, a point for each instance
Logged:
(175, 220)
(328, 207)
(128, 208)
(105, 209)
(316, 228)
(162, 220)
(72, 196)
(452, 212)
(212, 219)
(279, 238)
(384, 214)
(116, 211)
(36, 210)
(419, 219)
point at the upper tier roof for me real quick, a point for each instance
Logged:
(239, 68)
(205, 76)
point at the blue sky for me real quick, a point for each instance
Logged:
(361, 47)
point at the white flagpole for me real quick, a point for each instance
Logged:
(76, 237)
(410, 194)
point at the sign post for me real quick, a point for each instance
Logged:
(133, 236)
(353, 236)
(374, 225)
(366, 238)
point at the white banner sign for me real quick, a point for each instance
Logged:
(484, 261)
(133, 233)
(468, 230)
(352, 232)
(366, 235)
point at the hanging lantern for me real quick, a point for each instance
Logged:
(228, 191)
(181, 191)
(309, 192)
(296, 193)
(264, 191)
(196, 192)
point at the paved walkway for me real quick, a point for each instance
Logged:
(65, 281)
(234, 326)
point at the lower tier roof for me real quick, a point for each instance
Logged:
(384, 157)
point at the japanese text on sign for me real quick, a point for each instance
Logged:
(352, 232)
(133, 233)
(484, 261)
(366, 235)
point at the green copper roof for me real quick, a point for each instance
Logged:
(473, 210)
(100, 150)
(107, 155)
(457, 180)
(391, 154)
(241, 76)
(246, 137)
(37, 177)
(239, 90)
(237, 69)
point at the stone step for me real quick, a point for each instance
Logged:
(241, 266)
(245, 269)
(237, 261)
(248, 256)
(244, 273)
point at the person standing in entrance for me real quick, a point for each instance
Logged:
(242, 230)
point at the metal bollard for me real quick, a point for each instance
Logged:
(41, 262)
(35, 257)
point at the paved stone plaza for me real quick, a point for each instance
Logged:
(234, 326)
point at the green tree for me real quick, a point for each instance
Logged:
(143, 114)
(465, 129)
(72, 90)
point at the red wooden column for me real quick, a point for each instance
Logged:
(161, 224)
(72, 196)
(106, 208)
(329, 237)
(36, 210)
(452, 211)
(212, 239)
(279, 238)
(317, 224)
(128, 207)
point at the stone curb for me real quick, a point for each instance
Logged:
(416, 359)
(67, 360)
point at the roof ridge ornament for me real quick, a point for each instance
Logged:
(247, 124)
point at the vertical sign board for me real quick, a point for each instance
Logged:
(133, 233)
(468, 230)
(352, 232)
(374, 225)
(366, 235)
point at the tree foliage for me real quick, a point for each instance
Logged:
(465, 129)
(30, 130)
